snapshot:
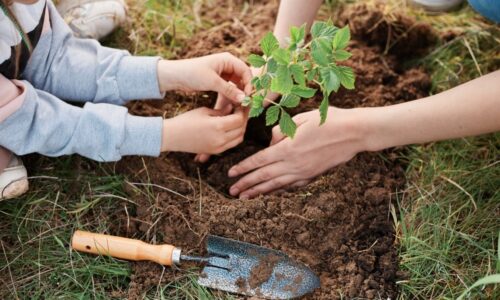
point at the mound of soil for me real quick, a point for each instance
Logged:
(396, 33)
(340, 225)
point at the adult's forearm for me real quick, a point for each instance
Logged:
(291, 13)
(470, 109)
(294, 13)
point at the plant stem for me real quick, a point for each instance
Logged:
(271, 101)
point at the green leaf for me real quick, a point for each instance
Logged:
(282, 83)
(341, 55)
(297, 34)
(257, 107)
(265, 81)
(329, 80)
(323, 29)
(329, 32)
(256, 82)
(346, 76)
(287, 125)
(290, 100)
(341, 38)
(282, 56)
(312, 74)
(255, 112)
(303, 91)
(58, 240)
(317, 28)
(257, 101)
(298, 74)
(320, 57)
(272, 66)
(323, 109)
(324, 43)
(256, 60)
(272, 115)
(269, 43)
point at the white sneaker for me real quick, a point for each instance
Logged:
(93, 18)
(436, 6)
(13, 179)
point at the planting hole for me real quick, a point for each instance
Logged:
(214, 172)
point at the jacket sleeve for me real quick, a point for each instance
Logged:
(82, 70)
(36, 121)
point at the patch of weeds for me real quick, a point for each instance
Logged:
(448, 225)
(469, 48)
(186, 288)
(449, 219)
(156, 27)
(36, 260)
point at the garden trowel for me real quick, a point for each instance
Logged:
(231, 266)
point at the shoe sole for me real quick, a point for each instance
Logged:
(15, 189)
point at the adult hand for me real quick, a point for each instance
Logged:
(222, 73)
(203, 130)
(294, 162)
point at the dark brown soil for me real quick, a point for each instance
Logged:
(340, 225)
(394, 32)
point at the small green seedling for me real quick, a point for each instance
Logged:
(288, 70)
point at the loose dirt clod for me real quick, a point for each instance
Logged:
(263, 270)
(339, 224)
(241, 283)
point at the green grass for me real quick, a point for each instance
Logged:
(35, 232)
(472, 53)
(448, 223)
(449, 218)
(159, 27)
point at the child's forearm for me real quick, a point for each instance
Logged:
(467, 110)
(84, 71)
(44, 124)
(294, 13)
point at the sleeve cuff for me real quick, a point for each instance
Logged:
(142, 136)
(138, 78)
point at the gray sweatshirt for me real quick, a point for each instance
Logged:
(33, 118)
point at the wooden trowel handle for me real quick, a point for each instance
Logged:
(119, 247)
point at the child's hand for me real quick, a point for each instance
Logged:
(220, 72)
(225, 106)
(203, 130)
